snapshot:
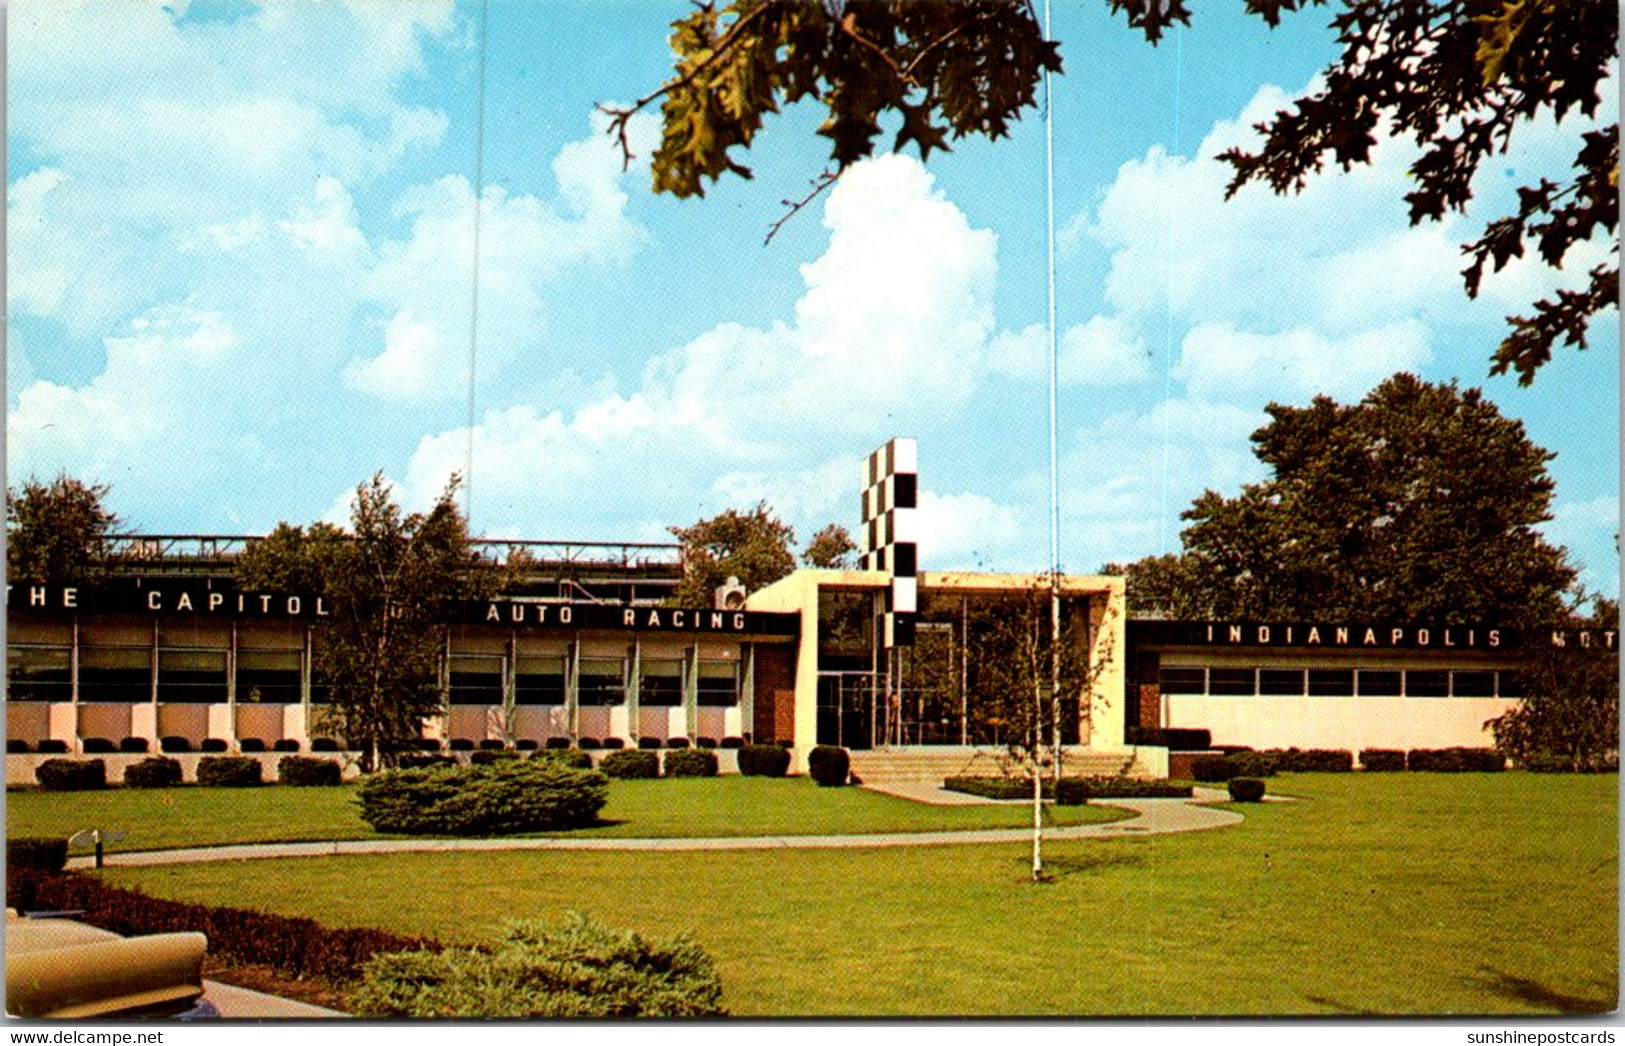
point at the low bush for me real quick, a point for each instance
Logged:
(589, 744)
(295, 947)
(733, 742)
(52, 746)
(171, 743)
(613, 743)
(1215, 768)
(487, 756)
(428, 744)
(764, 761)
(301, 771)
(705, 742)
(1074, 791)
(631, 763)
(250, 744)
(557, 742)
(141, 744)
(36, 854)
(1554, 763)
(676, 742)
(691, 762)
(538, 971)
(1455, 760)
(492, 744)
(534, 795)
(213, 745)
(71, 775)
(1232, 749)
(828, 765)
(16, 746)
(228, 771)
(324, 744)
(991, 787)
(648, 743)
(153, 772)
(566, 757)
(97, 746)
(1246, 789)
(1320, 761)
(1382, 760)
(284, 744)
(420, 760)
(526, 744)
(462, 744)
(1249, 763)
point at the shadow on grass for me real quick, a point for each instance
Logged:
(1066, 866)
(1534, 993)
(1340, 1007)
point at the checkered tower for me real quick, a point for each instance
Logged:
(890, 503)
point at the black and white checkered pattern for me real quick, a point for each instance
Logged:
(890, 502)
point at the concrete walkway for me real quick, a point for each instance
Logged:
(1154, 817)
(245, 1004)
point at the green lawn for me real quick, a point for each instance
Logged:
(1392, 893)
(683, 807)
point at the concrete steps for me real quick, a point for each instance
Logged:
(932, 764)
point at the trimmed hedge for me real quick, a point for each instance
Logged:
(631, 763)
(573, 757)
(1456, 760)
(52, 746)
(324, 744)
(16, 746)
(97, 746)
(487, 756)
(462, 744)
(705, 742)
(228, 771)
(428, 744)
(676, 742)
(171, 743)
(829, 765)
(29, 853)
(71, 775)
(133, 745)
(691, 762)
(1319, 761)
(284, 744)
(648, 743)
(588, 744)
(1382, 760)
(535, 970)
(153, 772)
(420, 760)
(526, 744)
(1215, 768)
(1249, 763)
(213, 745)
(613, 743)
(251, 744)
(764, 761)
(1074, 790)
(296, 947)
(302, 771)
(1246, 789)
(492, 744)
(557, 742)
(534, 795)
(733, 742)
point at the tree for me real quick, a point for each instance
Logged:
(1458, 77)
(1417, 504)
(752, 546)
(1569, 711)
(830, 549)
(57, 533)
(1163, 587)
(390, 585)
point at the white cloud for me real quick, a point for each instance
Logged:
(1099, 352)
(1219, 362)
(966, 530)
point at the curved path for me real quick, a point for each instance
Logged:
(1153, 817)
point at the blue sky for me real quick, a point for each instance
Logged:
(242, 259)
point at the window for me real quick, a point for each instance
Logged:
(538, 681)
(192, 676)
(1331, 682)
(475, 680)
(36, 673)
(1380, 682)
(660, 683)
(602, 681)
(1183, 680)
(1281, 682)
(719, 683)
(1428, 683)
(110, 673)
(1472, 684)
(268, 677)
(1511, 684)
(1232, 682)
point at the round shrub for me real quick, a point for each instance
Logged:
(764, 761)
(228, 771)
(589, 744)
(647, 743)
(614, 742)
(526, 744)
(705, 742)
(491, 744)
(284, 744)
(250, 744)
(1382, 760)
(676, 742)
(140, 744)
(36, 853)
(213, 744)
(304, 771)
(171, 744)
(428, 744)
(733, 742)
(534, 795)
(323, 744)
(1246, 789)
(557, 742)
(462, 744)
(16, 746)
(566, 757)
(418, 762)
(153, 772)
(71, 775)
(487, 756)
(535, 970)
(691, 762)
(631, 763)
(52, 746)
(97, 746)
(829, 765)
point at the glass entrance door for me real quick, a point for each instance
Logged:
(846, 709)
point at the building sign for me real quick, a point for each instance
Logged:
(177, 598)
(1369, 637)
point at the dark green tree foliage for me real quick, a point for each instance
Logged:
(1163, 587)
(830, 549)
(1458, 77)
(943, 68)
(291, 559)
(1569, 714)
(752, 546)
(1418, 504)
(580, 970)
(57, 533)
(534, 795)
